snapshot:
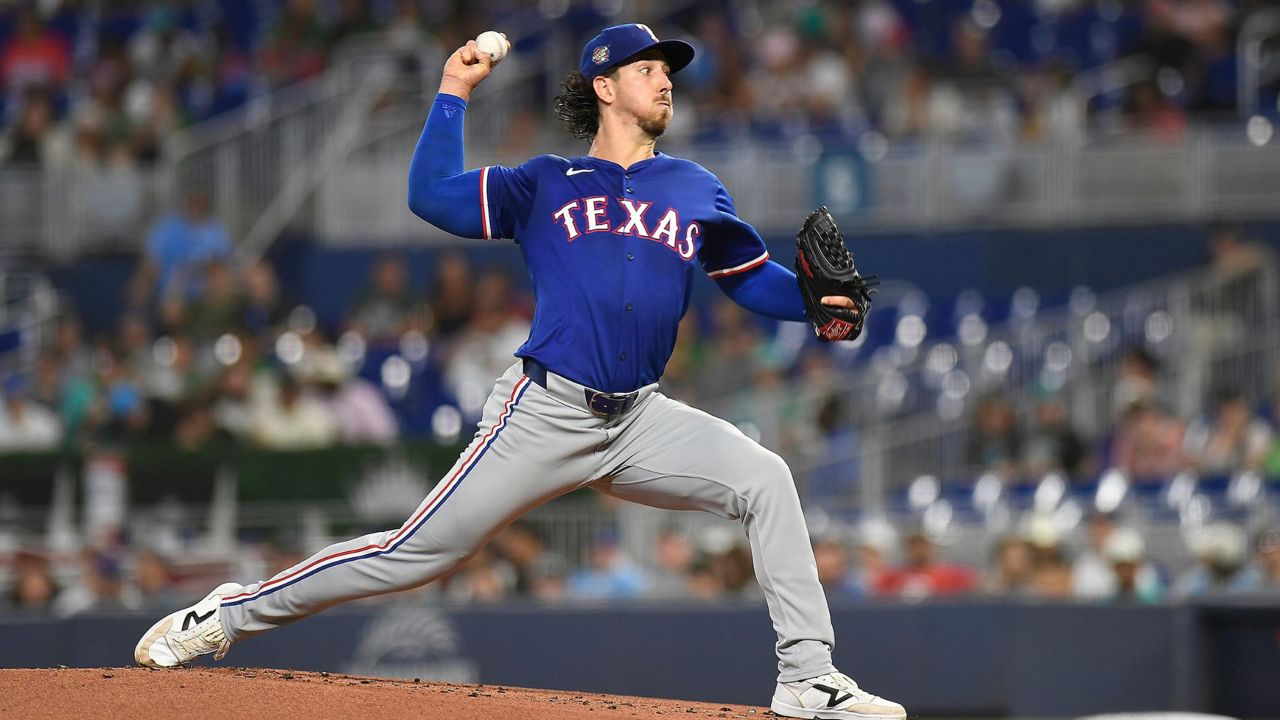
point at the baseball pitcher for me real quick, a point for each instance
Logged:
(612, 240)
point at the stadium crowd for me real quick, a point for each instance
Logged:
(99, 85)
(1112, 566)
(211, 354)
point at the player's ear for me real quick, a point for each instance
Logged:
(604, 87)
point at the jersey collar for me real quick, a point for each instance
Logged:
(600, 162)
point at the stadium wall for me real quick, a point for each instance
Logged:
(977, 658)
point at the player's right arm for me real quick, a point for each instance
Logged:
(440, 190)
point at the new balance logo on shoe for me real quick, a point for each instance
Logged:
(194, 619)
(836, 696)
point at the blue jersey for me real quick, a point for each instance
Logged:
(612, 254)
(611, 250)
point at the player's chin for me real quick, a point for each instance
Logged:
(656, 124)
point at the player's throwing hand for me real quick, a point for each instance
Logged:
(464, 70)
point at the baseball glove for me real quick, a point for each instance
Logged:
(825, 267)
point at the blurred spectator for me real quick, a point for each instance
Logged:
(487, 347)
(264, 308)
(521, 546)
(197, 428)
(1148, 444)
(33, 587)
(452, 294)
(1052, 444)
(734, 353)
(1148, 109)
(355, 17)
(120, 411)
(873, 551)
(834, 569)
(549, 578)
(1137, 380)
(484, 578)
(704, 582)
(994, 441)
(1053, 576)
(293, 420)
(178, 245)
(1220, 550)
(298, 44)
(922, 575)
(153, 580)
(1263, 576)
(100, 586)
(34, 57)
(673, 559)
(359, 407)
(608, 574)
(238, 391)
(1093, 576)
(833, 455)
(217, 310)
(1013, 568)
(381, 313)
(33, 140)
(679, 380)
(1126, 551)
(26, 425)
(1234, 439)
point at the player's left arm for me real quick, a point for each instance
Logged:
(735, 256)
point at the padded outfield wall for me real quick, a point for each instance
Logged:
(972, 658)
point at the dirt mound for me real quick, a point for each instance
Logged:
(194, 693)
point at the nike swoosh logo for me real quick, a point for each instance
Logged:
(576, 171)
(194, 619)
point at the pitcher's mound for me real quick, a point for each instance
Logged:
(226, 693)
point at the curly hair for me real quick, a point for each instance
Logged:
(577, 105)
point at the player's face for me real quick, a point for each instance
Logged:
(643, 92)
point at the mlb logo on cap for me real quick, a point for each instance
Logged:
(614, 45)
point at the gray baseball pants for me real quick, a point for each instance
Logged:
(534, 444)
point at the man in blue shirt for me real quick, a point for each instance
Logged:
(612, 240)
(178, 247)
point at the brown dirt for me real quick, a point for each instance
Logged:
(241, 693)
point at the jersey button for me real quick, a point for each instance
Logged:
(627, 176)
(622, 356)
(631, 256)
(630, 307)
(631, 190)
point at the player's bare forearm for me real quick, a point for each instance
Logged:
(464, 70)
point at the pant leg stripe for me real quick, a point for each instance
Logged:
(442, 493)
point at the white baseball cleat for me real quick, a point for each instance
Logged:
(187, 634)
(834, 696)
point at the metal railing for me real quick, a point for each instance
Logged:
(911, 405)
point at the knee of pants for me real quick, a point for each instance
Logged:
(767, 476)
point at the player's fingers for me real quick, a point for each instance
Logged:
(838, 301)
(475, 56)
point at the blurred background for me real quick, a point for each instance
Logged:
(1044, 481)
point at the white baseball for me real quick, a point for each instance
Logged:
(494, 43)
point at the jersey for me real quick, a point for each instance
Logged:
(612, 253)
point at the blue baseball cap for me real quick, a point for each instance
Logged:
(615, 44)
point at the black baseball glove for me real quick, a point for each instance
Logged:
(824, 267)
